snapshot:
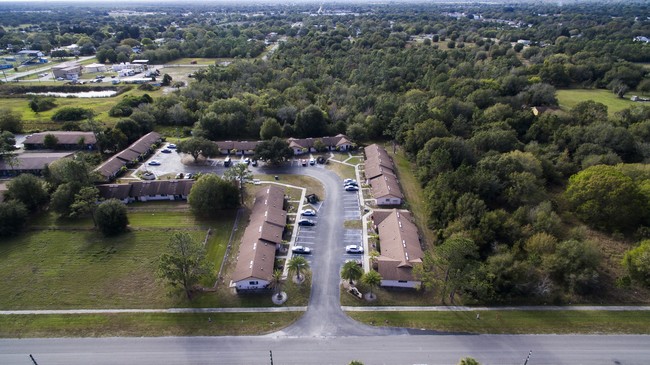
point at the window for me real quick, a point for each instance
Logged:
(252, 282)
(402, 281)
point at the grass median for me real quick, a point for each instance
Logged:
(143, 324)
(514, 322)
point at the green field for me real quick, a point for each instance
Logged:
(42, 121)
(146, 324)
(514, 322)
(571, 97)
(66, 264)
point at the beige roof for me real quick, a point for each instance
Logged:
(385, 186)
(372, 170)
(255, 259)
(400, 245)
(338, 140)
(111, 166)
(62, 137)
(271, 196)
(269, 214)
(376, 151)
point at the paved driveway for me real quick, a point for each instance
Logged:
(324, 316)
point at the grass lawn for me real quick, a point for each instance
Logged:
(515, 322)
(414, 194)
(312, 185)
(64, 263)
(149, 324)
(390, 297)
(42, 121)
(344, 171)
(355, 160)
(569, 98)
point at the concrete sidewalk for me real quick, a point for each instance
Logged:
(617, 308)
(169, 310)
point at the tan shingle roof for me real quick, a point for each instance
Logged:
(256, 256)
(34, 161)
(385, 186)
(400, 245)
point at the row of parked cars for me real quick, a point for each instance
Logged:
(352, 249)
(350, 185)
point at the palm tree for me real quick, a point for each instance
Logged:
(276, 283)
(351, 271)
(468, 361)
(372, 279)
(298, 265)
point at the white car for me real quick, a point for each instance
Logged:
(353, 249)
(301, 249)
(351, 188)
(308, 212)
(154, 163)
(349, 181)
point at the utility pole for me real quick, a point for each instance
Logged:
(528, 357)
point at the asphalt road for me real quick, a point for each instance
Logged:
(488, 349)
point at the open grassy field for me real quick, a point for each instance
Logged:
(344, 171)
(198, 61)
(43, 121)
(569, 98)
(312, 185)
(63, 263)
(149, 324)
(514, 322)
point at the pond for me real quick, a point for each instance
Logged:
(81, 94)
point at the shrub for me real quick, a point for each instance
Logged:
(71, 114)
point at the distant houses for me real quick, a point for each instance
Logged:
(130, 156)
(64, 141)
(256, 256)
(68, 70)
(380, 174)
(299, 146)
(143, 191)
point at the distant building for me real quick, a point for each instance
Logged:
(380, 173)
(147, 190)
(30, 163)
(68, 70)
(95, 68)
(641, 39)
(131, 155)
(65, 140)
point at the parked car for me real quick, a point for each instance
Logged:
(247, 161)
(303, 162)
(312, 161)
(180, 175)
(301, 249)
(166, 151)
(353, 249)
(349, 181)
(154, 163)
(308, 212)
(356, 261)
(320, 159)
(60, 79)
(351, 188)
(254, 163)
(306, 222)
(171, 145)
(189, 176)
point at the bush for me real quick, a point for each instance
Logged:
(111, 217)
(13, 215)
(71, 114)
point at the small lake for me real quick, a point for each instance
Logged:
(81, 94)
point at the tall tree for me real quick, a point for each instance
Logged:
(458, 255)
(270, 128)
(372, 279)
(197, 146)
(298, 265)
(637, 263)
(274, 151)
(13, 215)
(29, 190)
(111, 217)
(210, 192)
(311, 122)
(184, 265)
(351, 271)
(85, 202)
(239, 173)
